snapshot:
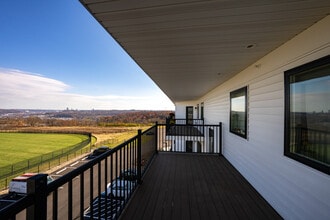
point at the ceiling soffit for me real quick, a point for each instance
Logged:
(190, 47)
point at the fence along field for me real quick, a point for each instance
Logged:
(22, 152)
(42, 162)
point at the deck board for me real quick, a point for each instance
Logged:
(195, 186)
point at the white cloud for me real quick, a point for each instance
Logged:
(21, 90)
(14, 82)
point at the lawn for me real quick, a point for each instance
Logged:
(16, 147)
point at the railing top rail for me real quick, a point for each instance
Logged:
(197, 119)
(16, 207)
(149, 129)
(205, 125)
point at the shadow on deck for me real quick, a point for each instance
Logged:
(194, 186)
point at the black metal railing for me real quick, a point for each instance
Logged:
(101, 187)
(183, 121)
(190, 138)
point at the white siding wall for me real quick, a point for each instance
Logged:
(180, 109)
(295, 190)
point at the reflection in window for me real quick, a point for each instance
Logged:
(238, 112)
(307, 114)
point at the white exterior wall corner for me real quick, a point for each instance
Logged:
(295, 190)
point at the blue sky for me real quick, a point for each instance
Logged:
(55, 55)
(311, 95)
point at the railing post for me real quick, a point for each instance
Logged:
(220, 138)
(90, 141)
(139, 157)
(37, 186)
(156, 137)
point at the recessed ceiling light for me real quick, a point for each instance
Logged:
(250, 46)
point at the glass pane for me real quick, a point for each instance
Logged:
(310, 114)
(238, 112)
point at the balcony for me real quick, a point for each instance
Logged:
(180, 174)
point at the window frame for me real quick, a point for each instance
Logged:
(231, 95)
(287, 113)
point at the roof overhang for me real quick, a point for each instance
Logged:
(189, 47)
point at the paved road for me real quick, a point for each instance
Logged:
(63, 191)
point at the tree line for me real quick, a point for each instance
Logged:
(74, 118)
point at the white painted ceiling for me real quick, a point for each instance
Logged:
(189, 47)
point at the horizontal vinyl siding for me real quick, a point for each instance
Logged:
(295, 190)
(216, 108)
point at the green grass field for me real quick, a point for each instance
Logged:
(16, 147)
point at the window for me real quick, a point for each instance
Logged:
(238, 112)
(189, 115)
(189, 146)
(197, 108)
(202, 110)
(307, 114)
(211, 140)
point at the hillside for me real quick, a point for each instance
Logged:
(10, 119)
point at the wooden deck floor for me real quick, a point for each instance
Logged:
(191, 186)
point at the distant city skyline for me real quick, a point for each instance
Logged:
(55, 55)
